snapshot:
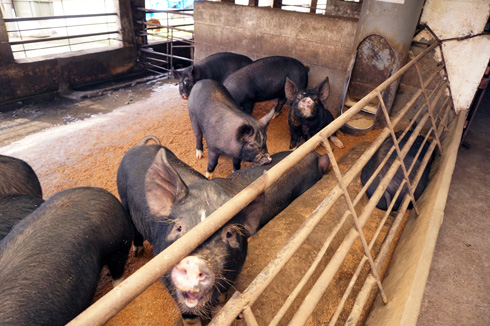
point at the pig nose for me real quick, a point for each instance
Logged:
(185, 97)
(264, 159)
(192, 274)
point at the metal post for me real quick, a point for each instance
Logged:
(353, 213)
(397, 148)
(429, 106)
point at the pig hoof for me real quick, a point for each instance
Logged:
(209, 175)
(138, 250)
(117, 282)
(198, 154)
(337, 142)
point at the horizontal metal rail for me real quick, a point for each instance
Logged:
(58, 38)
(115, 300)
(25, 19)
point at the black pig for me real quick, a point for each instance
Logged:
(217, 66)
(290, 185)
(390, 191)
(50, 262)
(17, 177)
(13, 208)
(264, 80)
(228, 130)
(307, 114)
(165, 200)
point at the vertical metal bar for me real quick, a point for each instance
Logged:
(429, 106)
(367, 252)
(249, 316)
(398, 151)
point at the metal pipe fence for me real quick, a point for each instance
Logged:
(30, 36)
(435, 111)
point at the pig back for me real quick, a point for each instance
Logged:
(288, 187)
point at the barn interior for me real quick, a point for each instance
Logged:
(74, 113)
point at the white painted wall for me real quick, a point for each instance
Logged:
(466, 60)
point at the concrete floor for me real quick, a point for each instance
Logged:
(458, 287)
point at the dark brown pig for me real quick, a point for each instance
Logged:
(17, 177)
(166, 199)
(217, 66)
(228, 130)
(307, 113)
(398, 178)
(264, 80)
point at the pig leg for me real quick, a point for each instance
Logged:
(280, 104)
(337, 142)
(236, 164)
(212, 162)
(116, 264)
(198, 135)
(137, 243)
(295, 138)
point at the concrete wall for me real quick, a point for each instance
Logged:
(467, 59)
(324, 43)
(29, 77)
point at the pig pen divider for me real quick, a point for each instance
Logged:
(116, 299)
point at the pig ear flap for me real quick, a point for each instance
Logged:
(323, 163)
(244, 131)
(252, 214)
(290, 88)
(267, 118)
(195, 72)
(163, 186)
(323, 90)
(176, 74)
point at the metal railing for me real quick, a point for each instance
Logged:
(168, 28)
(33, 36)
(435, 113)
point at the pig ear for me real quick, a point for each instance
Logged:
(195, 72)
(176, 74)
(290, 88)
(252, 213)
(244, 131)
(267, 118)
(323, 90)
(323, 163)
(163, 186)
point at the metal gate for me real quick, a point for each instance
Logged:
(430, 107)
(159, 34)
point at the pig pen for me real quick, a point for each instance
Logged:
(87, 153)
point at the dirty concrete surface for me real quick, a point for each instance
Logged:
(458, 288)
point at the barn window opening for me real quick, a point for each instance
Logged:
(51, 27)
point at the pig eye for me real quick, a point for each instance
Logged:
(229, 234)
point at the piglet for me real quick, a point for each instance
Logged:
(307, 114)
(228, 130)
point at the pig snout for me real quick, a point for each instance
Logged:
(262, 159)
(306, 107)
(185, 96)
(193, 281)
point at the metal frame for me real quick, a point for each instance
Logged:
(438, 115)
(145, 49)
(59, 38)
